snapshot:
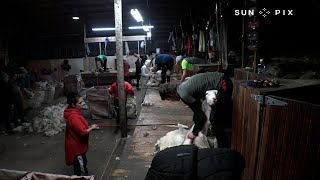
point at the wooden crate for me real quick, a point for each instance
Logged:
(100, 103)
(278, 142)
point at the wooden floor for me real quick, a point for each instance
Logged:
(138, 151)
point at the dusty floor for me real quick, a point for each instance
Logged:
(136, 152)
(35, 152)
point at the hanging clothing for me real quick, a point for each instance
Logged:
(142, 44)
(87, 49)
(188, 46)
(211, 37)
(127, 48)
(126, 68)
(202, 43)
(105, 45)
(173, 40)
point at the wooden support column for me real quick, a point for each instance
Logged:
(119, 55)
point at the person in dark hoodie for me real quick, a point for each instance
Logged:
(76, 135)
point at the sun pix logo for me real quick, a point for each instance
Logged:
(264, 12)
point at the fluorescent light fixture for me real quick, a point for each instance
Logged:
(103, 29)
(75, 17)
(141, 27)
(136, 14)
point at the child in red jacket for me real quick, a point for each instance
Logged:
(76, 135)
(113, 90)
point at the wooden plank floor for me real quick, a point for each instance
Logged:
(138, 151)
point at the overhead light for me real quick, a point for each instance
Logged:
(136, 14)
(103, 29)
(141, 27)
(75, 17)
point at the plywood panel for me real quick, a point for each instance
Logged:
(245, 127)
(290, 142)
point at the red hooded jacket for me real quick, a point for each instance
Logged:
(76, 136)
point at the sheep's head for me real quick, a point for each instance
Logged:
(211, 97)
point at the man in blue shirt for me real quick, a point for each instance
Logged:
(165, 63)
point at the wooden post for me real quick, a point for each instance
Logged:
(119, 55)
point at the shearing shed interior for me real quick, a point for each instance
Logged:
(159, 89)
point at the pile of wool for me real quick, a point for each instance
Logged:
(155, 79)
(26, 93)
(131, 107)
(50, 120)
(147, 103)
(41, 84)
(153, 83)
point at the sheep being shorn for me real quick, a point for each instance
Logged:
(178, 136)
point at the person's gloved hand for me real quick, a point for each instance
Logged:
(189, 138)
(211, 97)
(191, 135)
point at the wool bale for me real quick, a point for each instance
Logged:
(49, 94)
(100, 102)
(36, 100)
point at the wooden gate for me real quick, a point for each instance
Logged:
(245, 128)
(290, 142)
(278, 142)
